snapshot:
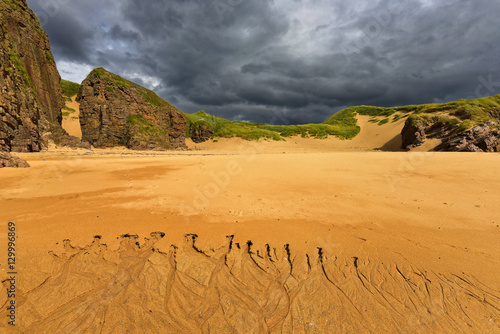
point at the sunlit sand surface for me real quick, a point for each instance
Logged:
(408, 241)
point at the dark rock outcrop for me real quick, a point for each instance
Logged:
(200, 132)
(8, 160)
(418, 128)
(413, 134)
(481, 138)
(118, 112)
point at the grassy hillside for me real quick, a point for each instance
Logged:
(69, 88)
(225, 128)
(462, 114)
(342, 127)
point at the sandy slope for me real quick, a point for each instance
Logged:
(71, 123)
(409, 241)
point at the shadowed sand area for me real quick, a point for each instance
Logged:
(409, 241)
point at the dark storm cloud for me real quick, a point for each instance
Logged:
(63, 30)
(282, 61)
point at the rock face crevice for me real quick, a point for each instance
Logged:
(118, 112)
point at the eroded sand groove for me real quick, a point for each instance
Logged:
(234, 289)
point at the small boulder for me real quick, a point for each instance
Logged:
(8, 160)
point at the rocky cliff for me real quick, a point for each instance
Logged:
(481, 138)
(33, 50)
(19, 108)
(31, 99)
(462, 126)
(118, 112)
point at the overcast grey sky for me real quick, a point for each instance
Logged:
(300, 59)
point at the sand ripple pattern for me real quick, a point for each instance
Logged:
(139, 289)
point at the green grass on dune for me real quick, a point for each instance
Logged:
(226, 128)
(343, 128)
(396, 118)
(460, 115)
(478, 110)
(319, 131)
(342, 125)
(463, 114)
(69, 88)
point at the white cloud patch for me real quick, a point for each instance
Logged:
(73, 71)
